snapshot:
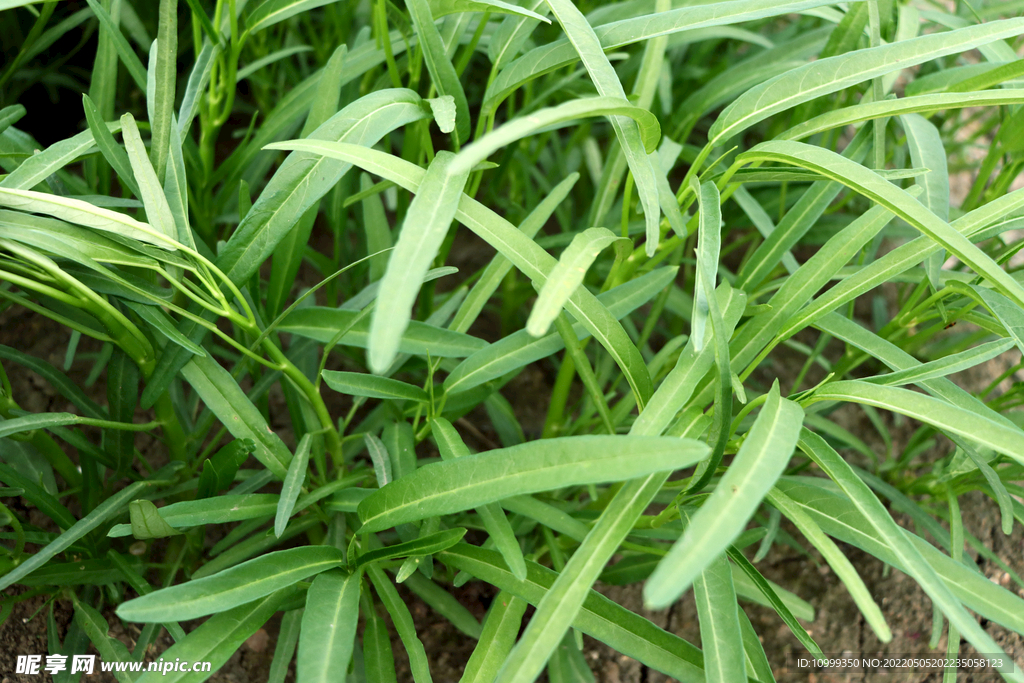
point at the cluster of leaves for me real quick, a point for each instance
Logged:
(750, 128)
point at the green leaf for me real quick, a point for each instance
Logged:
(421, 339)
(112, 152)
(833, 74)
(723, 516)
(568, 275)
(583, 39)
(499, 266)
(442, 72)
(84, 213)
(372, 386)
(440, 8)
(523, 126)
(942, 367)
(1011, 317)
(429, 216)
(158, 211)
(709, 243)
(719, 623)
(615, 34)
(918, 104)
(403, 622)
(222, 395)
(378, 658)
(501, 626)
(451, 446)
(381, 459)
(474, 480)
(232, 587)
(217, 639)
(124, 50)
(329, 622)
(219, 510)
(302, 179)
(424, 545)
(292, 486)
(846, 572)
(147, 522)
(271, 12)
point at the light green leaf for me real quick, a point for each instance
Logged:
(520, 348)
(723, 516)
(230, 588)
(955, 362)
(567, 275)
(222, 395)
(501, 626)
(420, 339)
(709, 243)
(218, 510)
(158, 211)
(271, 12)
(329, 623)
(428, 219)
(292, 486)
(424, 545)
(833, 74)
(599, 617)
(84, 213)
(444, 112)
(719, 623)
(907, 555)
(955, 419)
(474, 480)
(381, 459)
(440, 8)
(147, 522)
(846, 572)
(371, 386)
(112, 152)
(523, 126)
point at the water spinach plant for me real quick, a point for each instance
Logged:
(314, 246)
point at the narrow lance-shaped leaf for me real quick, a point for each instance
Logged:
(328, 633)
(232, 587)
(474, 480)
(371, 386)
(84, 213)
(427, 222)
(830, 75)
(842, 566)
(719, 623)
(723, 516)
(567, 275)
(112, 152)
(292, 486)
(926, 151)
(518, 128)
(709, 243)
(158, 211)
(588, 45)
